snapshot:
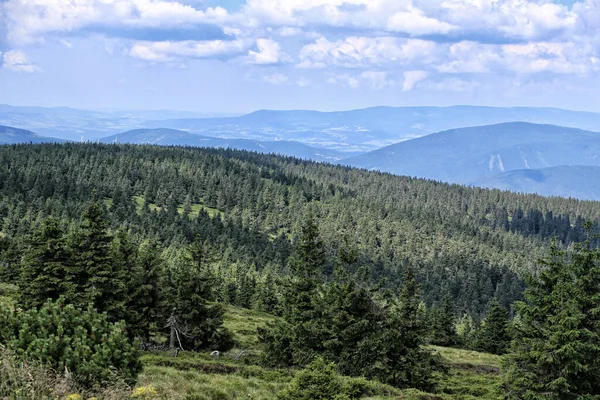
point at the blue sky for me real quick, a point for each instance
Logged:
(237, 56)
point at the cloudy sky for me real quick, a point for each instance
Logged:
(242, 55)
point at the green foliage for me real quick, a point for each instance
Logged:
(342, 322)
(469, 242)
(443, 324)
(44, 265)
(82, 342)
(494, 335)
(191, 288)
(31, 380)
(556, 348)
(319, 381)
(147, 312)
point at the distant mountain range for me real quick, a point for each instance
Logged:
(371, 128)
(73, 124)
(468, 154)
(517, 156)
(9, 135)
(171, 137)
(347, 131)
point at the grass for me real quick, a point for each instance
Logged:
(244, 325)
(196, 208)
(473, 375)
(198, 376)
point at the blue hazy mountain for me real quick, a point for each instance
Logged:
(371, 128)
(73, 124)
(581, 182)
(472, 154)
(355, 130)
(10, 135)
(171, 137)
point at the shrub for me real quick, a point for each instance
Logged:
(30, 380)
(83, 343)
(318, 381)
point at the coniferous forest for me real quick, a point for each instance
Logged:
(109, 253)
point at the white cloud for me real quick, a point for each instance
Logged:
(287, 31)
(360, 52)
(29, 21)
(416, 22)
(411, 78)
(269, 53)
(528, 58)
(17, 61)
(276, 79)
(376, 79)
(169, 51)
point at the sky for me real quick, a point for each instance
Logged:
(235, 56)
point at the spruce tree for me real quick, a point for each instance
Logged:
(406, 362)
(556, 347)
(198, 319)
(144, 304)
(443, 324)
(44, 265)
(494, 335)
(299, 336)
(91, 273)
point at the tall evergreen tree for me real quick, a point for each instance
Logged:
(145, 307)
(443, 324)
(494, 335)
(44, 265)
(299, 337)
(406, 362)
(91, 272)
(556, 348)
(199, 321)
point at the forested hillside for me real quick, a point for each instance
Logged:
(465, 244)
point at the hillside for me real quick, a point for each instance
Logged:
(470, 154)
(371, 128)
(172, 137)
(581, 182)
(9, 135)
(195, 237)
(250, 207)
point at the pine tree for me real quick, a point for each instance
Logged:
(407, 363)
(494, 335)
(80, 341)
(123, 255)
(91, 273)
(144, 304)
(44, 265)
(556, 347)
(443, 321)
(200, 322)
(299, 336)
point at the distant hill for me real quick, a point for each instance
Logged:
(172, 137)
(349, 131)
(581, 182)
(10, 135)
(82, 125)
(468, 154)
(371, 128)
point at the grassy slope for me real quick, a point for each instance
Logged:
(473, 375)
